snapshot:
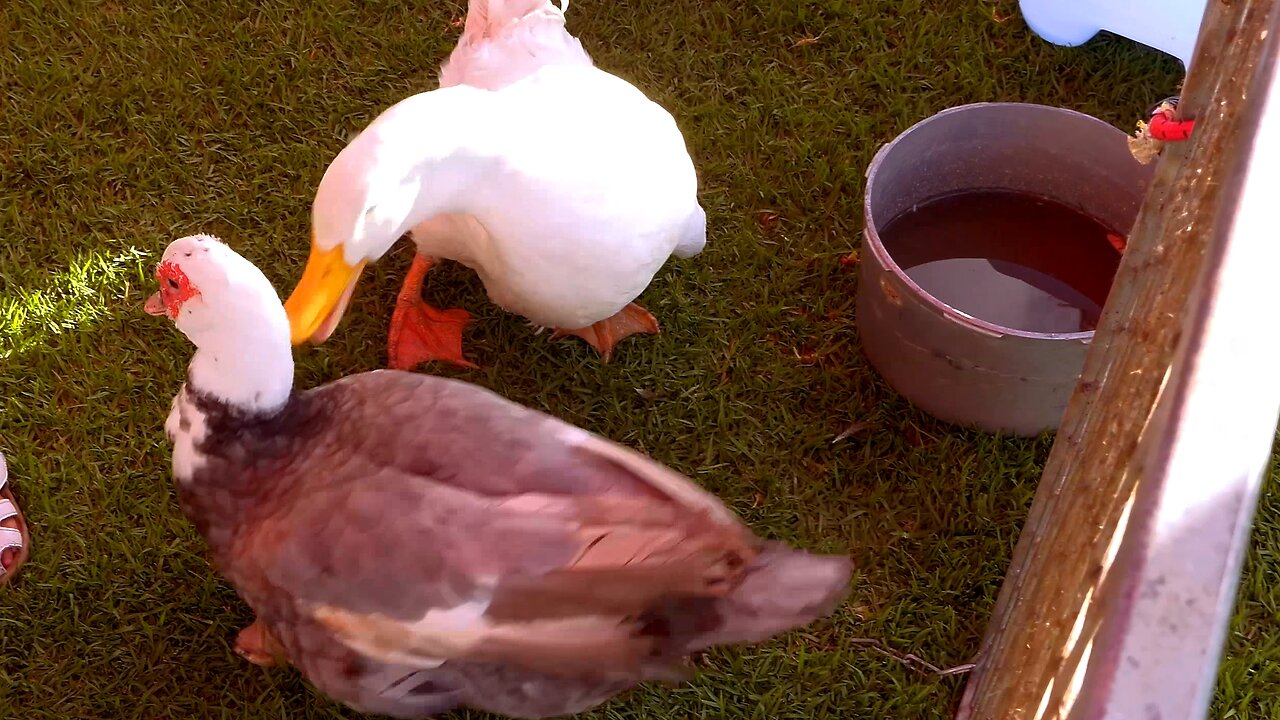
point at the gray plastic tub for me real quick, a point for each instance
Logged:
(955, 367)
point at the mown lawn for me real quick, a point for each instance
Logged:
(126, 125)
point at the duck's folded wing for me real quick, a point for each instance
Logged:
(501, 536)
(469, 437)
(563, 586)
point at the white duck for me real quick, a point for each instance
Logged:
(561, 185)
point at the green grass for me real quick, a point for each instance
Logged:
(125, 125)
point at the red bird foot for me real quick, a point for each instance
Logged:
(257, 645)
(420, 333)
(605, 335)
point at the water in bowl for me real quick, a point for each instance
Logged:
(1012, 259)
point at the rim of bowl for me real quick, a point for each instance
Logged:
(872, 234)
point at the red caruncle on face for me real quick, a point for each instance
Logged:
(175, 287)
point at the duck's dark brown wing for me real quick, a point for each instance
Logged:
(465, 435)
(439, 522)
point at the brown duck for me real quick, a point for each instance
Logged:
(414, 544)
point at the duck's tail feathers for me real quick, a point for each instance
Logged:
(694, 236)
(783, 589)
(504, 41)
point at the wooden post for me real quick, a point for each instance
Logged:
(1035, 658)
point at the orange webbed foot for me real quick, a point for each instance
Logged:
(605, 335)
(420, 333)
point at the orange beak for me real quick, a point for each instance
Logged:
(322, 295)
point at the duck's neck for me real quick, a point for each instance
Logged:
(249, 368)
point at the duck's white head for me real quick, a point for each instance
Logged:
(345, 236)
(229, 310)
(406, 167)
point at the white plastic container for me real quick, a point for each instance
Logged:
(1170, 26)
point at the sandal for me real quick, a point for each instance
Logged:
(15, 542)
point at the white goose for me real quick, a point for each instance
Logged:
(561, 185)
